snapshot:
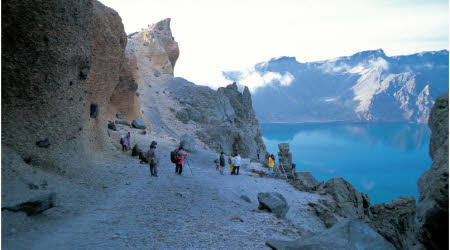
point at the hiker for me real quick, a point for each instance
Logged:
(222, 162)
(271, 163)
(216, 161)
(123, 143)
(236, 164)
(128, 137)
(179, 164)
(230, 164)
(152, 160)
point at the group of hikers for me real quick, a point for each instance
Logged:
(178, 157)
(234, 163)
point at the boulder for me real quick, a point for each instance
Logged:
(273, 202)
(136, 150)
(245, 198)
(432, 207)
(143, 157)
(349, 202)
(324, 213)
(349, 234)
(304, 181)
(188, 143)
(395, 221)
(183, 116)
(34, 206)
(113, 126)
(122, 122)
(138, 123)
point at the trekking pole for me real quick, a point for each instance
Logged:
(189, 165)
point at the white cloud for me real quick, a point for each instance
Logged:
(253, 79)
(380, 63)
(286, 79)
(216, 36)
(330, 67)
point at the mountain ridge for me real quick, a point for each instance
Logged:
(366, 86)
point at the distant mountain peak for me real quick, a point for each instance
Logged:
(365, 86)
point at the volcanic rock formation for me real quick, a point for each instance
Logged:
(64, 75)
(222, 120)
(432, 207)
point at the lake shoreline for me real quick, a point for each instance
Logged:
(372, 156)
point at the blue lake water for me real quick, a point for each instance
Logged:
(383, 160)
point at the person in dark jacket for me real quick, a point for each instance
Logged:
(152, 160)
(222, 162)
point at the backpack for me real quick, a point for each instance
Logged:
(216, 161)
(173, 156)
(229, 161)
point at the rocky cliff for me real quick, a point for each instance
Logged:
(432, 207)
(64, 74)
(222, 120)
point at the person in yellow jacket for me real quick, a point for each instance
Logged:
(271, 163)
(230, 164)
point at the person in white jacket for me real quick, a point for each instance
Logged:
(236, 164)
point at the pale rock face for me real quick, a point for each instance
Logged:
(220, 120)
(155, 48)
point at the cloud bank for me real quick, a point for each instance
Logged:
(254, 79)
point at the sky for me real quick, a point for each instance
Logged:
(216, 36)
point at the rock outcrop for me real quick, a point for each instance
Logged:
(154, 49)
(34, 206)
(188, 143)
(347, 234)
(63, 69)
(284, 157)
(349, 202)
(395, 222)
(221, 120)
(305, 181)
(226, 117)
(432, 207)
(324, 210)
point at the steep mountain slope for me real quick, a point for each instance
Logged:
(222, 120)
(367, 86)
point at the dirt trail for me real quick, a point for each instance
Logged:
(135, 210)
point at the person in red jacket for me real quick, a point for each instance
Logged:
(179, 165)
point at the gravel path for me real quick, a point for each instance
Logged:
(134, 210)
